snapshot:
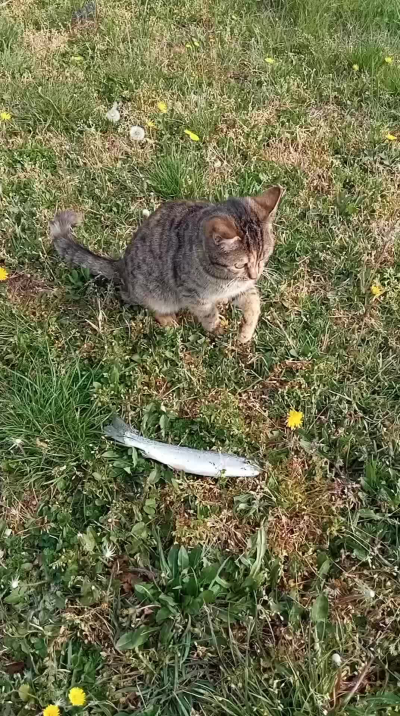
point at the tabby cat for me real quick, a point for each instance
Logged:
(190, 255)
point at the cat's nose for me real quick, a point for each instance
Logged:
(253, 271)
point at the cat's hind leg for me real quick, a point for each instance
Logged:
(164, 310)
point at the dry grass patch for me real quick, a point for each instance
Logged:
(387, 208)
(310, 507)
(18, 511)
(91, 624)
(101, 150)
(43, 43)
(20, 8)
(304, 283)
(386, 234)
(26, 291)
(310, 152)
(222, 530)
(202, 513)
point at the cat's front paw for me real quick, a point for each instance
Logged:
(166, 319)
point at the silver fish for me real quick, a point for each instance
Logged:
(195, 462)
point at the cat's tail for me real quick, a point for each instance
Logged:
(74, 253)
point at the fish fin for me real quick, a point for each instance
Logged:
(117, 430)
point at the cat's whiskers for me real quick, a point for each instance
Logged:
(271, 275)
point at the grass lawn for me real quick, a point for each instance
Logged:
(157, 593)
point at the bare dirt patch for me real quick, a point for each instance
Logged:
(26, 292)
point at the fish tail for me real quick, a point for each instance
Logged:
(118, 430)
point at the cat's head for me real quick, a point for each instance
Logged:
(239, 234)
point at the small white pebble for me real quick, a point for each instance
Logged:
(136, 134)
(113, 115)
(370, 593)
(336, 659)
(146, 213)
(217, 164)
(7, 532)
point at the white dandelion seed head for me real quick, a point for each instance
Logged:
(113, 115)
(136, 134)
(146, 213)
(336, 659)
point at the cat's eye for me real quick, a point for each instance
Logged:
(241, 266)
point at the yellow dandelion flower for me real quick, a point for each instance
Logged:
(376, 289)
(5, 116)
(77, 59)
(162, 107)
(150, 124)
(294, 419)
(51, 710)
(3, 274)
(391, 137)
(269, 60)
(188, 45)
(192, 135)
(196, 44)
(389, 60)
(77, 696)
(356, 67)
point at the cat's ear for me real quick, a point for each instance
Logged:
(269, 200)
(223, 230)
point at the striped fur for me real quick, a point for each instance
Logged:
(188, 255)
